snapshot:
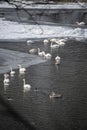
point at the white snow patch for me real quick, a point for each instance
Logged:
(15, 30)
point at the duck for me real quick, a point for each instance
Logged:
(26, 86)
(40, 53)
(54, 45)
(80, 23)
(21, 69)
(57, 60)
(12, 72)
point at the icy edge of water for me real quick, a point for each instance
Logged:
(10, 58)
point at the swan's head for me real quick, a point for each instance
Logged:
(6, 75)
(19, 65)
(23, 79)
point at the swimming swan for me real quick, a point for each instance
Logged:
(53, 40)
(6, 79)
(26, 86)
(80, 23)
(46, 41)
(47, 56)
(12, 72)
(54, 45)
(33, 51)
(57, 60)
(40, 53)
(21, 70)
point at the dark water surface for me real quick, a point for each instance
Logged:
(69, 79)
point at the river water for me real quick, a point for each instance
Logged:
(19, 108)
(68, 79)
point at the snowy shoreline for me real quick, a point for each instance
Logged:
(14, 30)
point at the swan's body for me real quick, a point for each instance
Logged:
(80, 23)
(57, 60)
(26, 86)
(29, 41)
(61, 43)
(47, 56)
(6, 79)
(40, 53)
(54, 95)
(6, 75)
(21, 70)
(53, 40)
(46, 41)
(54, 45)
(33, 51)
(12, 72)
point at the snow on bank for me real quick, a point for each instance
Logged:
(15, 30)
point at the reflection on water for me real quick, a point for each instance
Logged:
(68, 79)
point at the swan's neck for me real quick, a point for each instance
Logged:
(11, 69)
(51, 43)
(38, 50)
(24, 81)
(19, 66)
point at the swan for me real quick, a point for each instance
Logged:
(80, 23)
(61, 43)
(53, 40)
(57, 60)
(6, 79)
(29, 41)
(47, 56)
(21, 70)
(33, 51)
(12, 72)
(54, 95)
(40, 53)
(6, 75)
(45, 41)
(54, 45)
(26, 86)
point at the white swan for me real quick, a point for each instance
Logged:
(61, 43)
(6, 75)
(33, 51)
(46, 41)
(57, 60)
(80, 23)
(47, 56)
(54, 45)
(54, 95)
(53, 40)
(6, 79)
(21, 70)
(26, 86)
(40, 53)
(12, 72)
(29, 41)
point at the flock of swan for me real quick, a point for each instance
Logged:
(54, 43)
